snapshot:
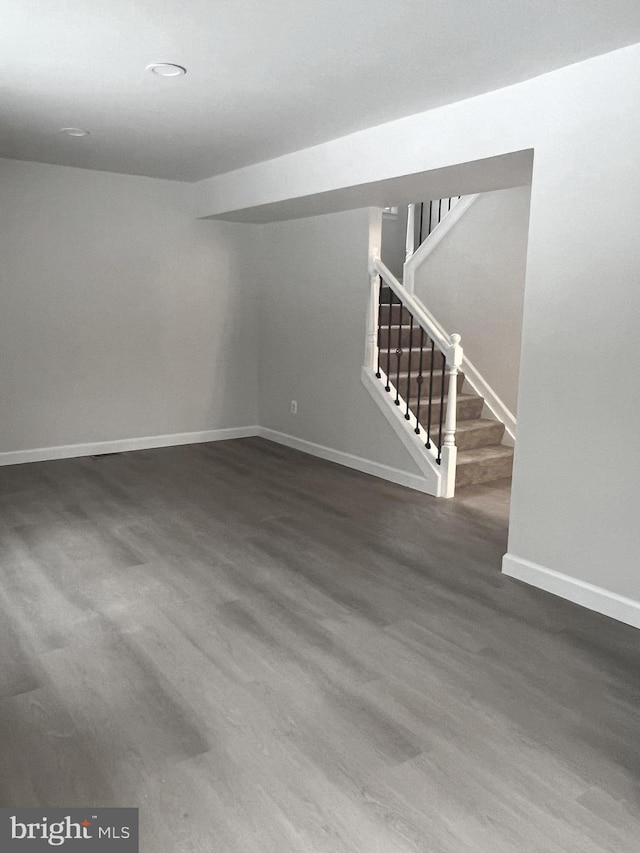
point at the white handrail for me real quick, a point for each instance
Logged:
(410, 241)
(440, 464)
(450, 346)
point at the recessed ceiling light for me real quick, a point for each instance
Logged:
(166, 69)
(75, 131)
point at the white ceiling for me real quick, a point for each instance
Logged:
(265, 77)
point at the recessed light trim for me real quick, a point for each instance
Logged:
(74, 131)
(166, 69)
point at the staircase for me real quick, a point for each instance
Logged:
(454, 426)
(409, 356)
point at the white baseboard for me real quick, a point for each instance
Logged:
(592, 597)
(358, 463)
(66, 451)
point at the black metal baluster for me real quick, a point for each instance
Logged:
(444, 367)
(419, 380)
(378, 373)
(387, 387)
(449, 206)
(407, 416)
(421, 219)
(399, 354)
(439, 211)
(430, 215)
(428, 445)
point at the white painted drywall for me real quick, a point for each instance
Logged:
(576, 486)
(120, 316)
(473, 283)
(264, 77)
(314, 300)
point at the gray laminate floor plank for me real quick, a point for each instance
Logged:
(267, 652)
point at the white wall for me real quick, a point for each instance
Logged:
(314, 302)
(473, 283)
(577, 470)
(120, 316)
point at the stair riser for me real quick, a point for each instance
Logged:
(474, 472)
(403, 337)
(427, 382)
(468, 407)
(415, 360)
(472, 439)
(387, 296)
(383, 315)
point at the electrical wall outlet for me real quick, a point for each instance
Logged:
(294, 407)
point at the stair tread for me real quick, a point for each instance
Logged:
(415, 347)
(484, 454)
(459, 396)
(404, 374)
(405, 326)
(384, 351)
(476, 423)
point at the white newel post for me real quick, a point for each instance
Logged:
(449, 449)
(410, 243)
(371, 350)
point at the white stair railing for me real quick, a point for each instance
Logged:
(410, 242)
(423, 219)
(411, 368)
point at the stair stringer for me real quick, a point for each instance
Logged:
(435, 481)
(493, 404)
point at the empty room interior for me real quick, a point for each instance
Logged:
(312, 316)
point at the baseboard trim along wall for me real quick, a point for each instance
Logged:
(349, 460)
(66, 451)
(592, 597)
(148, 442)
